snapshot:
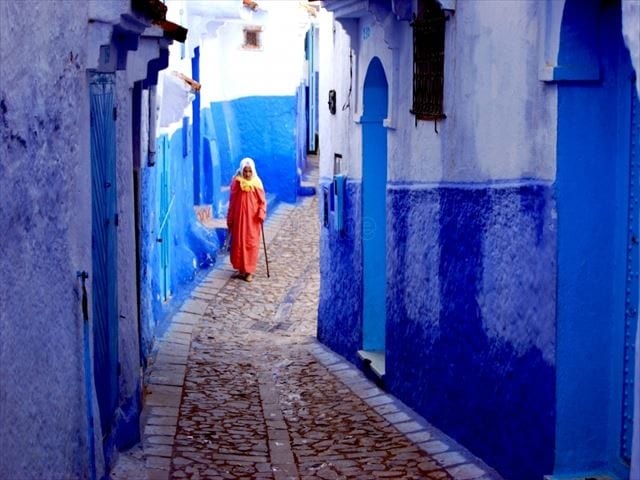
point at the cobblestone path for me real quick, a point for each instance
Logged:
(256, 402)
(241, 389)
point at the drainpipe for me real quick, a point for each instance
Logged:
(152, 125)
(87, 375)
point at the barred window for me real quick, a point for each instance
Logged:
(252, 38)
(428, 61)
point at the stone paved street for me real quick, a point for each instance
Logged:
(241, 389)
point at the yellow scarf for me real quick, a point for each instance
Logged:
(249, 185)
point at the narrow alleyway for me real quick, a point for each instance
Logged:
(240, 388)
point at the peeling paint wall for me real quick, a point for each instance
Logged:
(50, 401)
(45, 225)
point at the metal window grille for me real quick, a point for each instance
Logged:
(428, 61)
(252, 38)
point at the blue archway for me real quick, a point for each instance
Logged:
(374, 219)
(596, 211)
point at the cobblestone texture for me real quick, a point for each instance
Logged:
(240, 388)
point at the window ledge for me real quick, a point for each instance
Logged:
(428, 117)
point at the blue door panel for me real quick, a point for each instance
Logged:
(313, 89)
(631, 280)
(374, 184)
(104, 244)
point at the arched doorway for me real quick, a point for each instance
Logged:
(597, 190)
(374, 212)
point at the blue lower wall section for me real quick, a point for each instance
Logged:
(470, 312)
(340, 301)
(263, 128)
(470, 329)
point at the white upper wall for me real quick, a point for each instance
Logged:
(229, 71)
(338, 133)
(501, 119)
(505, 117)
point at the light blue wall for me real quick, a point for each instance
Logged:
(592, 187)
(49, 422)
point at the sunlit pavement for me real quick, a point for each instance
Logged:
(241, 389)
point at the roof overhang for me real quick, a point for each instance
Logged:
(156, 12)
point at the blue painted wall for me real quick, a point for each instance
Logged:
(265, 129)
(192, 247)
(150, 311)
(592, 184)
(489, 388)
(340, 299)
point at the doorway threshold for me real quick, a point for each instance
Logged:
(375, 360)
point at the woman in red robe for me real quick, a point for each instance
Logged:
(247, 211)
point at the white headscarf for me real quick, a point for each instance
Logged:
(255, 182)
(247, 161)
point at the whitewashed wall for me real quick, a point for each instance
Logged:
(490, 115)
(338, 71)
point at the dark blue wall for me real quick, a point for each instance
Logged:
(470, 312)
(494, 397)
(340, 302)
(455, 266)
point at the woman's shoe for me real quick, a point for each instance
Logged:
(248, 278)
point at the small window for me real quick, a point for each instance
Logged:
(252, 39)
(428, 61)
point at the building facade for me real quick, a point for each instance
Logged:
(70, 364)
(480, 256)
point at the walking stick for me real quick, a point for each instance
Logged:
(264, 244)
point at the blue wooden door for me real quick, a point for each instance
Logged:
(631, 279)
(104, 243)
(166, 203)
(374, 210)
(312, 127)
